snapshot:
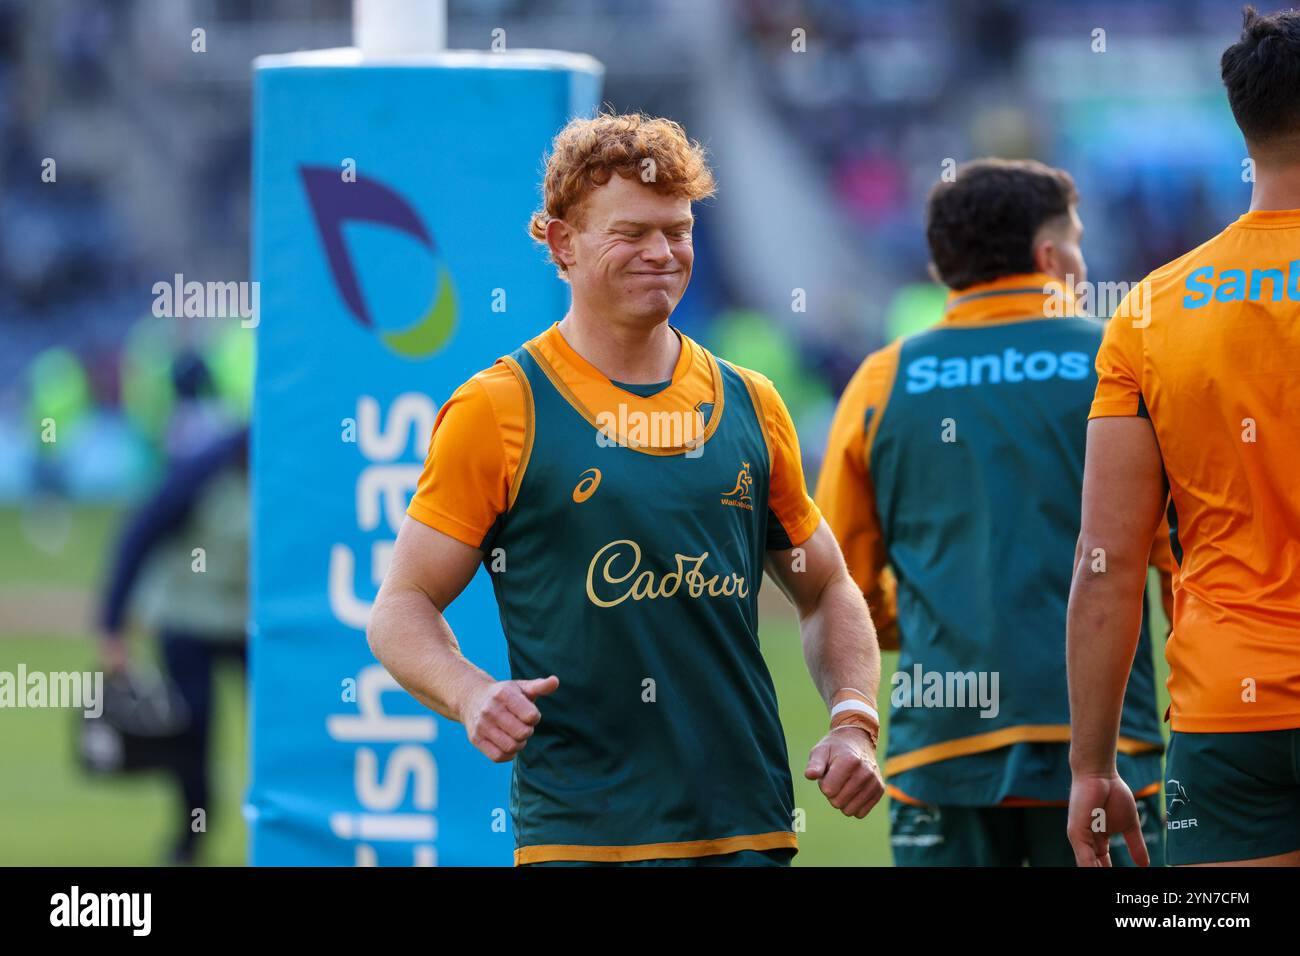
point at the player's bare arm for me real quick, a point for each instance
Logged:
(1123, 496)
(411, 638)
(842, 653)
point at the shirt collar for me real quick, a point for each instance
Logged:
(574, 364)
(1270, 219)
(696, 383)
(1021, 297)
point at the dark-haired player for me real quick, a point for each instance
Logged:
(956, 458)
(1198, 403)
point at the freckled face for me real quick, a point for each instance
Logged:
(633, 255)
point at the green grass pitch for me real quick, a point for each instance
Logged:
(53, 814)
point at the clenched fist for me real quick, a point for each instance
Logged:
(500, 717)
(844, 764)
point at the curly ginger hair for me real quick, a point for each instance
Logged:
(587, 152)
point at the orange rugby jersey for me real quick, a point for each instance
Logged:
(632, 563)
(482, 436)
(1208, 347)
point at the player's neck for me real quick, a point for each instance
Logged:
(623, 351)
(1277, 186)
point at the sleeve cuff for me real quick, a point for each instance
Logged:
(1116, 408)
(452, 527)
(800, 531)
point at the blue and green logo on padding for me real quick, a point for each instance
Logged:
(335, 203)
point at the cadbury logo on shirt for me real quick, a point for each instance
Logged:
(605, 569)
(1235, 285)
(1012, 365)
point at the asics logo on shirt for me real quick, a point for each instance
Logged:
(587, 485)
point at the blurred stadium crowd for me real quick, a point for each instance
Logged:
(826, 143)
(827, 122)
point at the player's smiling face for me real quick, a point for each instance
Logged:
(633, 255)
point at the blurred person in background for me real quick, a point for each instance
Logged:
(956, 459)
(198, 415)
(183, 558)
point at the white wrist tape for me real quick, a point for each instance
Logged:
(845, 706)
